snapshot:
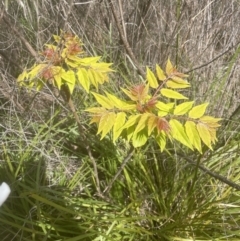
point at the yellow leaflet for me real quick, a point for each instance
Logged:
(151, 79)
(161, 140)
(103, 101)
(198, 111)
(116, 102)
(128, 107)
(101, 67)
(179, 80)
(142, 122)
(98, 77)
(119, 122)
(160, 73)
(70, 79)
(70, 63)
(57, 75)
(128, 93)
(23, 76)
(89, 60)
(210, 121)
(57, 38)
(101, 77)
(133, 119)
(75, 59)
(164, 109)
(106, 123)
(130, 132)
(172, 94)
(36, 70)
(178, 133)
(82, 76)
(95, 119)
(183, 108)
(39, 85)
(204, 134)
(177, 84)
(92, 78)
(213, 135)
(192, 133)
(140, 138)
(169, 67)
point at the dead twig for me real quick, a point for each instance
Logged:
(125, 161)
(125, 41)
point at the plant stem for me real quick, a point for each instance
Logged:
(127, 158)
(214, 175)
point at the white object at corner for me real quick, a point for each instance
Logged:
(4, 192)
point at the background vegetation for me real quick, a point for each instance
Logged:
(158, 196)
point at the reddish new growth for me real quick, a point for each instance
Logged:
(74, 48)
(147, 107)
(52, 55)
(162, 125)
(47, 74)
(139, 91)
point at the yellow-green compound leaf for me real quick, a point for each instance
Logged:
(183, 108)
(160, 73)
(140, 138)
(70, 79)
(164, 109)
(142, 122)
(204, 134)
(172, 94)
(106, 123)
(193, 135)
(83, 79)
(152, 80)
(119, 122)
(103, 101)
(198, 111)
(161, 141)
(178, 133)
